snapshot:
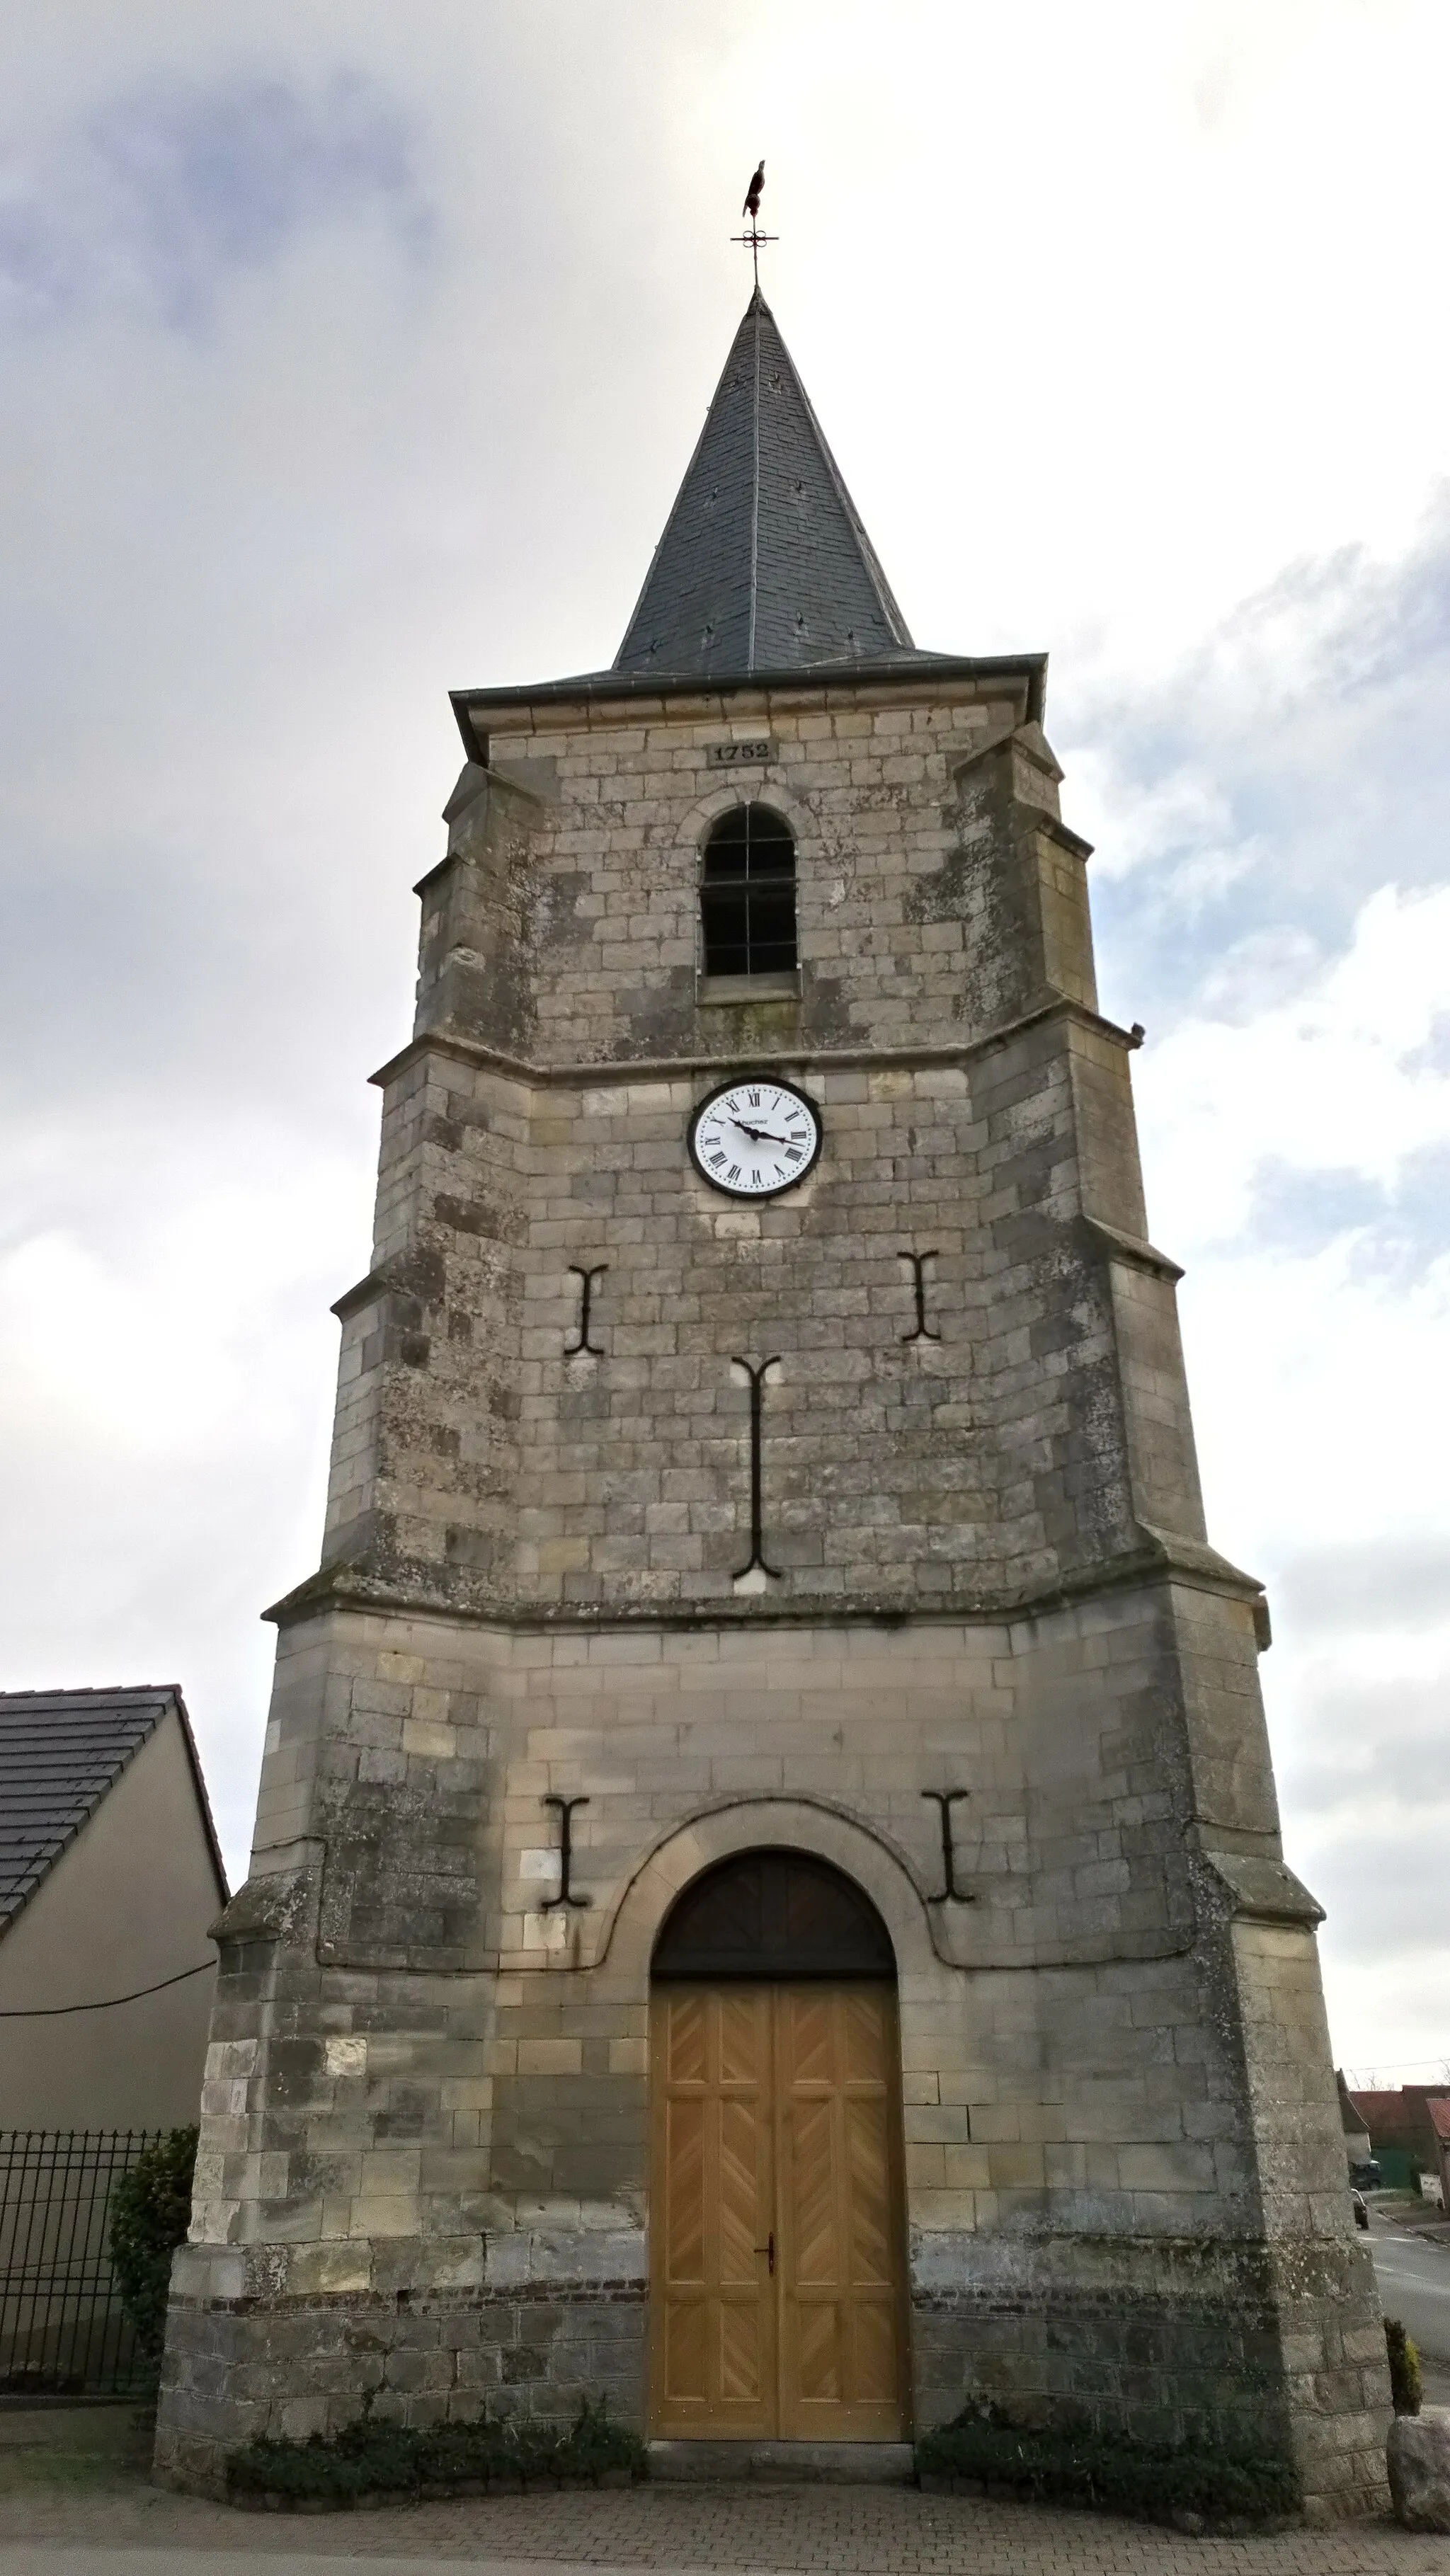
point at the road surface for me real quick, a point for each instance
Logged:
(1414, 2279)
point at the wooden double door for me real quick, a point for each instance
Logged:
(778, 2303)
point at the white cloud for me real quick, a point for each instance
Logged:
(166, 1364)
(359, 356)
(1315, 1341)
(1323, 1415)
(1331, 1079)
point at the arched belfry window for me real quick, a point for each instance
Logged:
(747, 894)
(774, 1915)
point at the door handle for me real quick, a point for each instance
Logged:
(768, 2250)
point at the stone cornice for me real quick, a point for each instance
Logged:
(612, 698)
(1160, 1557)
(680, 1067)
(1122, 1247)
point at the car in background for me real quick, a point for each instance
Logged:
(1366, 2175)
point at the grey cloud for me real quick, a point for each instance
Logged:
(170, 187)
(244, 569)
(1402, 1584)
(1364, 1785)
(1385, 1899)
(1401, 1224)
(1319, 718)
(1382, 1743)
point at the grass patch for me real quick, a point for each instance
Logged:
(1183, 2483)
(1407, 2387)
(370, 2459)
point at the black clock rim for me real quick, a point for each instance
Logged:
(782, 1082)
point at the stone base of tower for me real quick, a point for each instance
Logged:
(425, 2182)
(1170, 2343)
(1167, 2343)
(242, 2365)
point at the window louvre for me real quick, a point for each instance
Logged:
(747, 894)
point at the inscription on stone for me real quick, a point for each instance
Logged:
(739, 755)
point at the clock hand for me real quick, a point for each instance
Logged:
(759, 1135)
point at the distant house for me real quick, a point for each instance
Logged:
(110, 1873)
(1403, 2131)
(1438, 2107)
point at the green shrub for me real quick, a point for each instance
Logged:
(150, 2214)
(1082, 2467)
(1406, 2387)
(373, 2458)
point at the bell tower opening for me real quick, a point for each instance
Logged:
(747, 894)
(777, 2219)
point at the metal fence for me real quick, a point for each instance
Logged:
(62, 2329)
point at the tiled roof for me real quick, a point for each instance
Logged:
(764, 564)
(1438, 2107)
(1397, 2118)
(60, 1753)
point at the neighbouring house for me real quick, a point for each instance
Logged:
(110, 1874)
(1405, 2139)
(1438, 2107)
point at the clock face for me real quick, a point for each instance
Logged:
(754, 1138)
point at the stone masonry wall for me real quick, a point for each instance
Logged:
(479, 1462)
(461, 2157)
(940, 896)
(1037, 1426)
(423, 2173)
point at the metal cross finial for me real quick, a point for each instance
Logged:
(755, 241)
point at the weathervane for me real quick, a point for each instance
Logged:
(755, 240)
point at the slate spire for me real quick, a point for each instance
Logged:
(764, 564)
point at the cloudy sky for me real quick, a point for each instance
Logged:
(347, 354)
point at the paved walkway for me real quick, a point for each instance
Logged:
(131, 2530)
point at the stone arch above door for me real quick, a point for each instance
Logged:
(628, 1935)
(775, 1914)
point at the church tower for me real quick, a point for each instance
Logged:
(767, 1903)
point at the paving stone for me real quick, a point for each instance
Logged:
(883, 2531)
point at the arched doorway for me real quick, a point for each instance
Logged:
(777, 2235)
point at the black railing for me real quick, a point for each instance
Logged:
(63, 2332)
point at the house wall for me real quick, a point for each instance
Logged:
(126, 1906)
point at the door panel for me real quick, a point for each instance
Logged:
(713, 2306)
(841, 2275)
(775, 2121)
